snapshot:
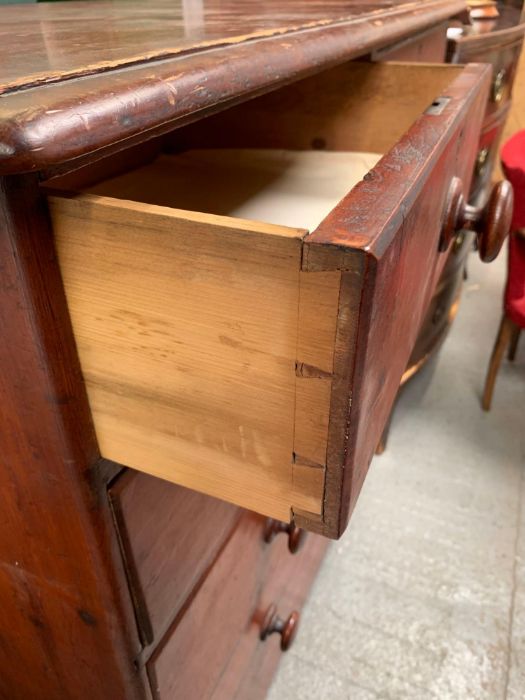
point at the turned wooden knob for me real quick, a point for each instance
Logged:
(296, 535)
(490, 223)
(286, 628)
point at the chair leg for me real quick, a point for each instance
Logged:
(514, 343)
(503, 338)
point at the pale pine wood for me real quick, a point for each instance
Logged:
(318, 318)
(312, 413)
(207, 353)
(290, 188)
(318, 307)
(308, 489)
(187, 333)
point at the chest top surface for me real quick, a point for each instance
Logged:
(69, 69)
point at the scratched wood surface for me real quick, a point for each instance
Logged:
(149, 66)
(46, 43)
(62, 585)
(224, 354)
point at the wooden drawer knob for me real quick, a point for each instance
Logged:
(490, 223)
(286, 628)
(296, 535)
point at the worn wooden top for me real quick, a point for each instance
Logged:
(77, 77)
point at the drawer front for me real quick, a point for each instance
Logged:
(214, 650)
(443, 306)
(500, 49)
(170, 537)
(488, 151)
(394, 219)
(256, 362)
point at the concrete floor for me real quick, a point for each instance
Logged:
(424, 596)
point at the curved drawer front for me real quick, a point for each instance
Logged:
(229, 342)
(502, 50)
(488, 150)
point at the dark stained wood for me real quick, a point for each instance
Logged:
(358, 106)
(471, 44)
(218, 616)
(490, 223)
(499, 43)
(80, 81)
(296, 535)
(442, 309)
(47, 44)
(287, 583)
(501, 49)
(221, 629)
(171, 78)
(170, 537)
(394, 218)
(273, 624)
(67, 628)
(488, 149)
(370, 218)
(429, 46)
(369, 232)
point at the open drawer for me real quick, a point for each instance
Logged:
(245, 301)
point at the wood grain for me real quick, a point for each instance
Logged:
(361, 107)
(142, 77)
(287, 581)
(79, 38)
(385, 234)
(67, 626)
(170, 538)
(429, 46)
(197, 366)
(220, 629)
(219, 615)
(172, 309)
(186, 325)
(499, 48)
(294, 188)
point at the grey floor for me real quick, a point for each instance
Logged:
(424, 596)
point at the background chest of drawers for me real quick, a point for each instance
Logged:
(496, 41)
(117, 583)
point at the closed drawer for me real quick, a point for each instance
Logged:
(170, 537)
(502, 50)
(488, 150)
(215, 650)
(244, 305)
(441, 311)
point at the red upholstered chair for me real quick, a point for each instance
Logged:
(513, 321)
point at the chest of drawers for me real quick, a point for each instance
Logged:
(255, 361)
(220, 235)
